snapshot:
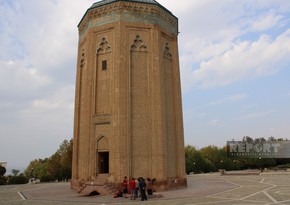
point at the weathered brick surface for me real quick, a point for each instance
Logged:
(131, 109)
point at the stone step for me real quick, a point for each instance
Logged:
(100, 185)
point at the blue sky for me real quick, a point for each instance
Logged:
(234, 61)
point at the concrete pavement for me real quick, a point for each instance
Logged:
(202, 189)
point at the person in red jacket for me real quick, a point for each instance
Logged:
(132, 185)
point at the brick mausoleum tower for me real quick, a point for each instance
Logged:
(128, 112)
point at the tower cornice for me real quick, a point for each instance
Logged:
(120, 10)
(105, 2)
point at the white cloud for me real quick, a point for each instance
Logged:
(37, 73)
(247, 108)
(202, 114)
(60, 101)
(245, 59)
(219, 42)
(265, 22)
(199, 49)
(215, 122)
(256, 115)
(18, 76)
(231, 99)
(186, 5)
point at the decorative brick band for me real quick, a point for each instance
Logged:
(131, 12)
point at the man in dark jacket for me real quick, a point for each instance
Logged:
(142, 186)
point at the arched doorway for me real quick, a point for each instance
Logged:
(103, 162)
(103, 155)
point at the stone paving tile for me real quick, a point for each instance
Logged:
(202, 189)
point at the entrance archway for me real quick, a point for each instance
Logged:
(103, 162)
(102, 155)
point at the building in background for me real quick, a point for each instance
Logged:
(128, 112)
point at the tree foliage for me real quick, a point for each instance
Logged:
(19, 179)
(195, 162)
(2, 171)
(3, 180)
(15, 172)
(56, 167)
(212, 158)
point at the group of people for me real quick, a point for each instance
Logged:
(135, 186)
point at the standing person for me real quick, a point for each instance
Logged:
(136, 188)
(142, 186)
(125, 187)
(132, 184)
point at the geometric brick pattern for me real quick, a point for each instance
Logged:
(128, 113)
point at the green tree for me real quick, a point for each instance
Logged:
(247, 139)
(54, 167)
(65, 151)
(3, 180)
(36, 168)
(57, 167)
(218, 157)
(195, 162)
(213, 154)
(190, 163)
(15, 172)
(2, 171)
(20, 179)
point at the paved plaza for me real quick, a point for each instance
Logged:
(202, 189)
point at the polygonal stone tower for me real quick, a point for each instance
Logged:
(128, 112)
